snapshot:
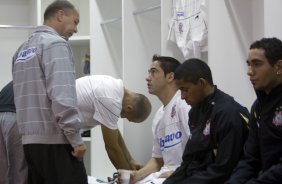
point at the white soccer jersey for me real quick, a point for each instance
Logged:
(99, 99)
(171, 131)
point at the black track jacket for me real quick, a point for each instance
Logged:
(262, 162)
(219, 130)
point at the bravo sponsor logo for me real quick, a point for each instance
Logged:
(26, 54)
(170, 140)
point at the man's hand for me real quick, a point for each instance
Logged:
(135, 165)
(134, 177)
(79, 151)
(166, 174)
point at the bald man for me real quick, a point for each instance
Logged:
(102, 100)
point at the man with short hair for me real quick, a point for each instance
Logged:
(102, 100)
(218, 125)
(262, 160)
(45, 100)
(170, 124)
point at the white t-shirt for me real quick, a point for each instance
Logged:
(99, 99)
(170, 135)
(171, 131)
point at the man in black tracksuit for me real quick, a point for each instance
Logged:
(218, 125)
(262, 161)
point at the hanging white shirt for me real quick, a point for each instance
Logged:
(189, 23)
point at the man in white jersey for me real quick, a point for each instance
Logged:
(170, 124)
(101, 101)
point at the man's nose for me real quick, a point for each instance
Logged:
(250, 70)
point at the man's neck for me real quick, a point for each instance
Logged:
(167, 95)
(209, 90)
(127, 94)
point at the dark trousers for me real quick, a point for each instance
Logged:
(53, 164)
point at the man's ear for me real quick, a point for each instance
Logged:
(278, 65)
(202, 82)
(129, 108)
(170, 76)
(60, 15)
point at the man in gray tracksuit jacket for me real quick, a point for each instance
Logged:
(46, 102)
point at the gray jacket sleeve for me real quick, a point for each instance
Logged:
(58, 66)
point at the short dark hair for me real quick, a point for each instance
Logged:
(272, 48)
(57, 5)
(192, 70)
(167, 64)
